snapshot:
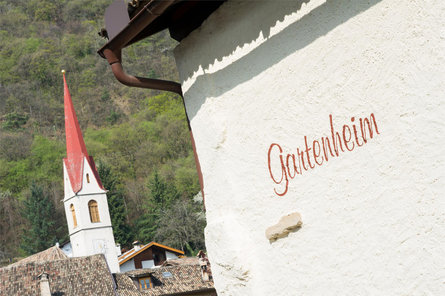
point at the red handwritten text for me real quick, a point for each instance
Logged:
(319, 151)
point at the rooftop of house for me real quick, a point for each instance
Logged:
(167, 280)
(139, 249)
(67, 276)
(91, 276)
(181, 261)
(51, 254)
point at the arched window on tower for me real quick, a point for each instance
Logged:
(73, 212)
(94, 211)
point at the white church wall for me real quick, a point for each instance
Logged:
(259, 73)
(80, 248)
(96, 241)
(89, 182)
(69, 216)
(80, 203)
(66, 182)
(90, 191)
(89, 237)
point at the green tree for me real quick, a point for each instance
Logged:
(10, 220)
(182, 226)
(161, 196)
(15, 120)
(135, 131)
(40, 233)
(159, 192)
(116, 204)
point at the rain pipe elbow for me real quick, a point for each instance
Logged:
(114, 59)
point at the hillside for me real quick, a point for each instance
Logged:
(139, 138)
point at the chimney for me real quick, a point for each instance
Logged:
(137, 245)
(44, 284)
(118, 249)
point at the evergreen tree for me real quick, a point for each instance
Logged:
(40, 233)
(161, 196)
(116, 204)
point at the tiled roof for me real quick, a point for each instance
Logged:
(184, 278)
(131, 253)
(51, 254)
(181, 261)
(68, 277)
(90, 276)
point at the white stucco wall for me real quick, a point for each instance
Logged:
(170, 255)
(263, 72)
(127, 266)
(148, 263)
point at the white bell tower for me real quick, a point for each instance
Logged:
(85, 202)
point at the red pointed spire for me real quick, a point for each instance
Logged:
(74, 140)
(75, 145)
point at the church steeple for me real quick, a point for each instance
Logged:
(76, 150)
(85, 202)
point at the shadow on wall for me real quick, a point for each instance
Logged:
(260, 23)
(303, 32)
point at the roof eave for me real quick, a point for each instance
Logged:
(140, 21)
(148, 246)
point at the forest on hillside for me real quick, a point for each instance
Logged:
(138, 138)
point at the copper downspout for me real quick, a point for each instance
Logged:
(114, 59)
